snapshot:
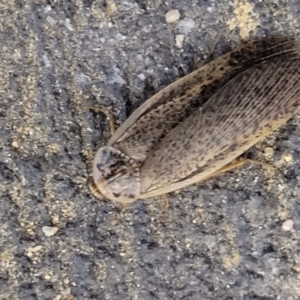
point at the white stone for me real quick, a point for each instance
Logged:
(179, 40)
(287, 225)
(50, 21)
(46, 61)
(269, 151)
(172, 16)
(68, 24)
(47, 8)
(50, 231)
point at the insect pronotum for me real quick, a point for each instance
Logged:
(201, 122)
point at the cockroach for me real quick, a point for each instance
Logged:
(195, 127)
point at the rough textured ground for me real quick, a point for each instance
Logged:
(223, 238)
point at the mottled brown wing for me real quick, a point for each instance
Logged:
(246, 109)
(151, 122)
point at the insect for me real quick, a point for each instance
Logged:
(199, 124)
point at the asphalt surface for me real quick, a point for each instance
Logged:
(232, 237)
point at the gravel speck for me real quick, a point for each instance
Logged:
(46, 61)
(172, 16)
(179, 40)
(50, 21)
(68, 24)
(269, 151)
(50, 231)
(287, 225)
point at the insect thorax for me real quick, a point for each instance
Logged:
(116, 176)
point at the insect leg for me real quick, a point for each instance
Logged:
(166, 207)
(212, 50)
(265, 165)
(229, 167)
(109, 116)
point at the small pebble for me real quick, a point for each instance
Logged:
(141, 76)
(288, 157)
(46, 61)
(32, 250)
(50, 231)
(47, 8)
(47, 277)
(68, 24)
(172, 16)
(179, 40)
(35, 249)
(15, 144)
(269, 151)
(287, 225)
(50, 21)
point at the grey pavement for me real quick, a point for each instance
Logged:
(231, 237)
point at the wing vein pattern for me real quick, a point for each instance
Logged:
(248, 107)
